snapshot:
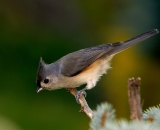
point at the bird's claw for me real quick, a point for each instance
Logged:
(78, 94)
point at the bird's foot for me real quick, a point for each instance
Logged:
(80, 93)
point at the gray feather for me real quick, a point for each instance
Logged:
(74, 63)
(133, 41)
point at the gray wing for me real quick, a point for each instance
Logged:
(73, 63)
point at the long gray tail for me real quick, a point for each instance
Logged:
(132, 41)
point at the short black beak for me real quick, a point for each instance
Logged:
(39, 89)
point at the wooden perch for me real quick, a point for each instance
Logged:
(84, 106)
(134, 98)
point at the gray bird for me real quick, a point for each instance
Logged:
(85, 66)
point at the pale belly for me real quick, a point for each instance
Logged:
(91, 73)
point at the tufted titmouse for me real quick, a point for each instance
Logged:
(85, 66)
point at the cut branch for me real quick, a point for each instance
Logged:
(84, 105)
(134, 98)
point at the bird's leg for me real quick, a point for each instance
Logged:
(90, 84)
(79, 93)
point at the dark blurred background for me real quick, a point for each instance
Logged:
(50, 29)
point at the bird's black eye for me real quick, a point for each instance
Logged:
(46, 81)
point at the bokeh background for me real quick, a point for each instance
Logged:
(52, 28)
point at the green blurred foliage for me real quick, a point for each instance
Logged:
(34, 28)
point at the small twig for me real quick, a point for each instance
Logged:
(84, 106)
(134, 98)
